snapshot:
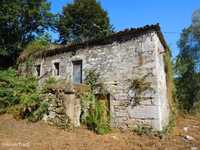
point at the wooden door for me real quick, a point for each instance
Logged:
(77, 72)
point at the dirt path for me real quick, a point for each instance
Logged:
(20, 135)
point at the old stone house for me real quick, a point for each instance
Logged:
(131, 66)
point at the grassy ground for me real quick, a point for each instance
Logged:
(21, 135)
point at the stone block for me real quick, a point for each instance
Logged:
(143, 112)
(117, 63)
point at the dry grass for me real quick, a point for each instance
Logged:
(20, 135)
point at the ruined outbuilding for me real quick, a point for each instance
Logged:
(131, 67)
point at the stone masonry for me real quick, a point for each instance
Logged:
(138, 58)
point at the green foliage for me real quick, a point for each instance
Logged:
(91, 78)
(38, 114)
(196, 108)
(93, 114)
(83, 20)
(139, 86)
(48, 83)
(87, 100)
(20, 22)
(170, 89)
(7, 83)
(20, 96)
(196, 23)
(187, 71)
(147, 130)
(95, 120)
(41, 43)
(93, 81)
(143, 130)
(52, 83)
(172, 123)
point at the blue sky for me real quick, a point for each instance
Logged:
(173, 15)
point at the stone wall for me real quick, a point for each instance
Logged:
(64, 107)
(118, 64)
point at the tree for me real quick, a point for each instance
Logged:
(188, 67)
(40, 43)
(196, 23)
(20, 22)
(83, 20)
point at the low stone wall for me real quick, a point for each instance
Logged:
(64, 108)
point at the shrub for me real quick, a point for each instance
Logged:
(139, 86)
(20, 96)
(96, 120)
(7, 83)
(38, 114)
(143, 130)
(48, 84)
(91, 78)
(94, 114)
(87, 100)
(196, 108)
(41, 43)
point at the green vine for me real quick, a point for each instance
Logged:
(139, 86)
(93, 111)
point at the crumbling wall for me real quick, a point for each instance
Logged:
(118, 64)
(64, 108)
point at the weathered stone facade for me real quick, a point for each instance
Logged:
(119, 63)
(64, 107)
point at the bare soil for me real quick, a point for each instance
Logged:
(21, 135)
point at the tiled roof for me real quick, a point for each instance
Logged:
(121, 36)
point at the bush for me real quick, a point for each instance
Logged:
(38, 114)
(96, 120)
(143, 130)
(41, 43)
(196, 108)
(87, 100)
(49, 83)
(91, 79)
(20, 96)
(94, 114)
(7, 83)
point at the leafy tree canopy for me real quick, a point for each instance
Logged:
(83, 20)
(188, 66)
(40, 43)
(20, 22)
(196, 23)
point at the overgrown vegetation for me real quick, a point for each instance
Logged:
(94, 113)
(143, 130)
(41, 43)
(187, 69)
(139, 86)
(170, 92)
(91, 78)
(48, 84)
(20, 96)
